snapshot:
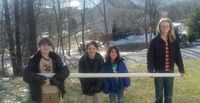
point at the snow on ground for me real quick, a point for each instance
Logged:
(130, 39)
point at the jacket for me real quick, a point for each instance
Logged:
(90, 86)
(110, 84)
(156, 56)
(35, 81)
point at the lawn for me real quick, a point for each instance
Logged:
(186, 89)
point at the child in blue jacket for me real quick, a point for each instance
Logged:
(115, 86)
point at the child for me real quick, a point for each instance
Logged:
(91, 62)
(45, 61)
(115, 86)
(163, 53)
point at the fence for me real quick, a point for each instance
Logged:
(111, 75)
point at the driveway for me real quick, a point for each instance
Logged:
(189, 52)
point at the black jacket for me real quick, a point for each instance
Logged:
(90, 86)
(35, 81)
(156, 55)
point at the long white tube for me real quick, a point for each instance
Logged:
(111, 75)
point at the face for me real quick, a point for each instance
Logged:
(164, 27)
(45, 48)
(113, 54)
(91, 51)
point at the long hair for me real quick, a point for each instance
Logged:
(107, 56)
(171, 36)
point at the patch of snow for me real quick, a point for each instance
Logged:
(131, 39)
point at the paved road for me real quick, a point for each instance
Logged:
(189, 52)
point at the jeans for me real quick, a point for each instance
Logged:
(117, 97)
(164, 84)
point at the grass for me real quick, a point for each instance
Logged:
(186, 89)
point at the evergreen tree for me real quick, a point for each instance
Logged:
(115, 31)
(193, 23)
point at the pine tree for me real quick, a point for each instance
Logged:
(193, 23)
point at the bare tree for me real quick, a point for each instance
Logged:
(32, 45)
(2, 45)
(10, 37)
(60, 27)
(146, 29)
(105, 18)
(152, 15)
(83, 26)
(69, 29)
(58, 17)
(17, 37)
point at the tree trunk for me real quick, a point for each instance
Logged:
(83, 27)
(57, 25)
(146, 24)
(23, 30)
(17, 38)
(10, 37)
(32, 45)
(69, 31)
(60, 28)
(3, 73)
(76, 39)
(105, 21)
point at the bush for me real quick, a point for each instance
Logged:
(183, 39)
(191, 37)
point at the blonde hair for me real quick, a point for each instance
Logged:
(171, 35)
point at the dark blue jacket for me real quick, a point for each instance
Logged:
(110, 84)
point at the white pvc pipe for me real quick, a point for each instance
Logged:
(111, 75)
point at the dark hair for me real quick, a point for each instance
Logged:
(107, 56)
(45, 41)
(92, 43)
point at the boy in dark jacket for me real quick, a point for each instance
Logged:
(91, 62)
(45, 61)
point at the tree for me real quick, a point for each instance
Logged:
(3, 45)
(32, 45)
(83, 27)
(193, 21)
(152, 15)
(115, 31)
(17, 38)
(105, 18)
(10, 36)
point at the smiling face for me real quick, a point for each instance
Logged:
(92, 50)
(113, 55)
(165, 27)
(45, 48)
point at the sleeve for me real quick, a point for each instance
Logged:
(30, 76)
(150, 58)
(178, 59)
(81, 70)
(100, 69)
(62, 72)
(106, 85)
(106, 82)
(126, 81)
